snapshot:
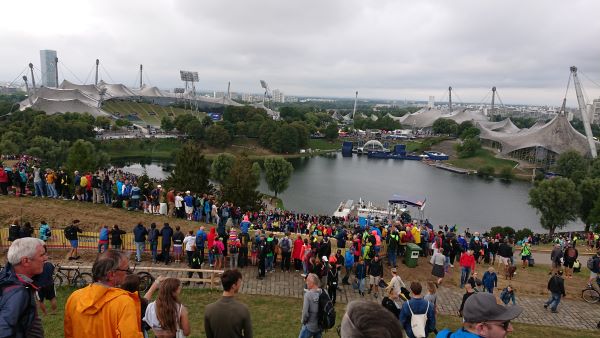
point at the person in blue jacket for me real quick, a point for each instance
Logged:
(483, 317)
(417, 306)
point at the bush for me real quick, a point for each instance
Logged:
(486, 171)
(503, 231)
(468, 148)
(506, 174)
(523, 233)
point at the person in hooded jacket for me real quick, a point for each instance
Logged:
(101, 309)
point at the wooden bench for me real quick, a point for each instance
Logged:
(215, 275)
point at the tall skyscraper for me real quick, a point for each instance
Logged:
(48, 62)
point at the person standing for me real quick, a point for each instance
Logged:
(103, 235)
(233, 248)
(310, 309)
(262, 256)
(555, 256)
(200, 242)
(228, 318)
(166, 233)
(190, 246)
(115, 237)
(439, 266)
(375, 271)
(286, 252)
(556, 286)
(417, 306)
(153, 235)
(467, 266)
(570, 256)
(525, 254)
(38, 184)
(178, 238)
(46, 288)
(361, 274)
(297, 253)
(71, 234)
(101, 309)
(18, 312)
(139, 234)
(490, 280)
(332, 279)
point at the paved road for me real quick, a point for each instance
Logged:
(543, 257)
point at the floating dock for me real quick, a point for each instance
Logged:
(453, 169)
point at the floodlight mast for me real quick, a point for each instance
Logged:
(141, 75)
(450, 98)
(27, 89)
(56, 69)
(355, 100)
(32, 78)
(97, 63)
(493, 98)
(585, 111)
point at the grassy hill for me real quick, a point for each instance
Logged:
(144, 113)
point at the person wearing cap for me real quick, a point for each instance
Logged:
(189, 205)
(483, 317)
(556, 286)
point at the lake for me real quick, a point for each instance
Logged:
(320, 183)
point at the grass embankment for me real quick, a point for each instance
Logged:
(280, 317)
(483, 157)
(146, 112)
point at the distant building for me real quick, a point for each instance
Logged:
(596, 111)
(291, 99)
(431, 102)
(48, 63)
(218, 95)
(278, 96)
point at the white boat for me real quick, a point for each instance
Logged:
(344, 210)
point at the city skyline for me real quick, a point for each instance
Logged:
(385, 50)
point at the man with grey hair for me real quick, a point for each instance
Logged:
(18, 311)
(101, 309)
(364, 319)
(310, 308)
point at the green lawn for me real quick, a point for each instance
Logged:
(280, 317)
(322, 144)
(483, 157)
(143, 109)
(159, 149)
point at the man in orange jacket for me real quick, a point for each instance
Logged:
(101, 309)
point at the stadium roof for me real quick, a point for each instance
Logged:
(425, 117)
(557, 135)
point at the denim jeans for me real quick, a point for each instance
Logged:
(392, 257)
(139, 250)
(269, 263)
(39, 188)
(154, 249)
(306, 333)
(107, 197)
(233, 262)
(464, 275)
(553, 301)
(51, 190)
(102, 245)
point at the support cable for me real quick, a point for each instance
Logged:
(106, 71)
(18, 77)
(89, 74)
(67, 68)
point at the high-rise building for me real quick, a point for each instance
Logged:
(431, 102)
(48, 62)
(278, 96)
(596, 111)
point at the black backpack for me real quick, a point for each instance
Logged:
(326, 314)
(70, 232)
(14, 233)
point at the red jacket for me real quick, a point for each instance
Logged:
(297, 253)
(467, 261)
(3, 176)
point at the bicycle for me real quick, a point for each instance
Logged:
(79, 280)
(589, 294)
(146, 279)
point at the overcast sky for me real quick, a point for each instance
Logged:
(384, 49)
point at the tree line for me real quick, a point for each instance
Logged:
(574, 194)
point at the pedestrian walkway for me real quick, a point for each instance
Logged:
(575, 314)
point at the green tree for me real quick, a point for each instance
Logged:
(486, 171)
(102, 122)
(266, 130)
(194, 129)
(191, 171)
(589, 189)
(167, 124)
(278, 172)
(464, 126)
(331, 132)
(471, 132)
(241, 184)
(123, 123)
(444, 126)
(217, 136)
(557, 201)
(468, 148)
(221, 166)
(523, 233)
(572, 165)
(84, 157)
(595, 168)
(8, 147)
(284, 139)
(594, 216)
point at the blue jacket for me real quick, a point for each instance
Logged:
(200, 239)
(166, 233)
(489, 280)
(349, 259)
(461, 333)
(139, 233)
(418, 306)
(17, 304)
(245, 226)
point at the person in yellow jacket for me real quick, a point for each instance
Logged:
(101, 309)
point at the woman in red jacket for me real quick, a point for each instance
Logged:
(210, 239)
(297, 253)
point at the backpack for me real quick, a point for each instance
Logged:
(408, 237)
(418, 322)
(371, 253)
(285, 245)
(70, 232)
(83, 182)
(14, 232)
(326, 314)
(233, 246)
